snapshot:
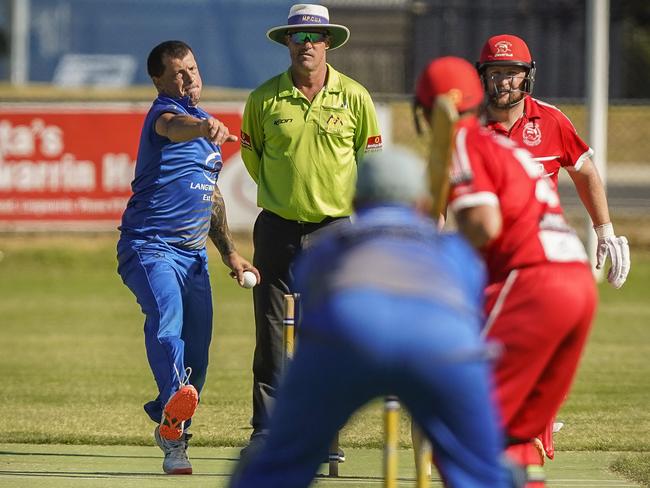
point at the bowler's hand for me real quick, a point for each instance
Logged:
(216, 131)
(619, 253)
(238, 265)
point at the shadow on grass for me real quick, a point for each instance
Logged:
(119, 456)
(100, 474)
(148, 475)
(379, 479)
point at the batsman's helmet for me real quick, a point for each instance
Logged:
(449, 76)
(507, 50)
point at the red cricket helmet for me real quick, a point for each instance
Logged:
(507, 50)
(453, 76)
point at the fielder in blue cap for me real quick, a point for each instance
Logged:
(389, 307)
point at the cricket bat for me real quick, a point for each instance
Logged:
(443, 126)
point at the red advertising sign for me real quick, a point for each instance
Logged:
(74, 163)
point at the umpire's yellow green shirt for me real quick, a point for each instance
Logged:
(303, 156)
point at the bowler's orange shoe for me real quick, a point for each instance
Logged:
(180, 407)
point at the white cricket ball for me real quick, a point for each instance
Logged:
(250, 280)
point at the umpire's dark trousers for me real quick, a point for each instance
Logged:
(277, 241)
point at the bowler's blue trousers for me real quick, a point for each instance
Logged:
(172, 286)
(359, 344)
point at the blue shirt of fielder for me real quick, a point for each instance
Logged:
(389, 307)
(161, 251)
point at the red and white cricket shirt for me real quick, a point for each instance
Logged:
(489, 169)
(548, 135)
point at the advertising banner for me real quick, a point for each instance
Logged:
(71, 166)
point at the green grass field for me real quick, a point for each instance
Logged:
(74, 373)
(61, 466)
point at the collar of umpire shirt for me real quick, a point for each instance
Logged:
(286, 88)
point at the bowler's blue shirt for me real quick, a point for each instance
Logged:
(173, 184)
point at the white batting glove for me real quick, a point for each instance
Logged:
(619, 254)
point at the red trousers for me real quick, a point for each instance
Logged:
(547, 440)
(542, 316)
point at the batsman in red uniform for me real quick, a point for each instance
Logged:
(541, 295)
(507, 71)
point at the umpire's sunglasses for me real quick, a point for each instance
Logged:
(303, 37)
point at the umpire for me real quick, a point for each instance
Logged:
(303, 133)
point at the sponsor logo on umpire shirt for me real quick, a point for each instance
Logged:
(374, 143)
